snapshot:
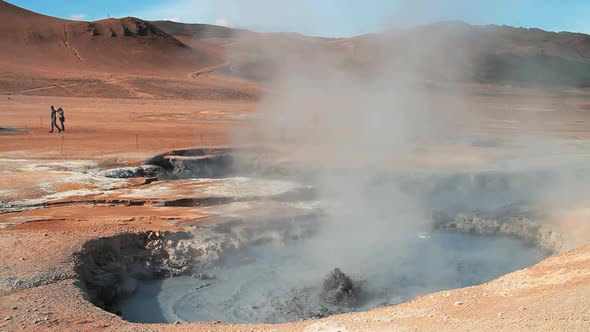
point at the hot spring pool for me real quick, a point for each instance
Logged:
(270, 283)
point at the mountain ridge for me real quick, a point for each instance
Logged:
(40, 45)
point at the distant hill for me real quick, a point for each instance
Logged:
(195, 31)
(440, 51)
(39, 43)
(35, 45)
(504, 54)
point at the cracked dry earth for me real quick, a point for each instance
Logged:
(49, 220)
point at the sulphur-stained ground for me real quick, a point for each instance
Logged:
(53, 200)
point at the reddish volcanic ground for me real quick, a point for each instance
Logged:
(134, 89)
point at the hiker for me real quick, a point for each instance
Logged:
(62, 118)
(53, 119)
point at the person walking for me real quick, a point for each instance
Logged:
(62, 118)
(54, 119)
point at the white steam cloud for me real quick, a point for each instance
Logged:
(377, 106)
(223, 22)
(78, 17)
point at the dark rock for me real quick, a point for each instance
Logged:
(149, 171)
(215, 163)
(209, 166)
(338, 289)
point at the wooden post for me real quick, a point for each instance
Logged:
(201, 139)
(137, 141)
(62, 145)
(41, 121)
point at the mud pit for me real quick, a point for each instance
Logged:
(262, 272)
(270, 283)
(275, 270)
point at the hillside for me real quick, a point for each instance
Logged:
(195, 31)
(439, 51)
(41, 44)
(499, 53)
(39, 52)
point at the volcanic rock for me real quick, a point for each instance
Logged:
(338, 289)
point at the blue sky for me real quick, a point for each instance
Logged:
(330, 17)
